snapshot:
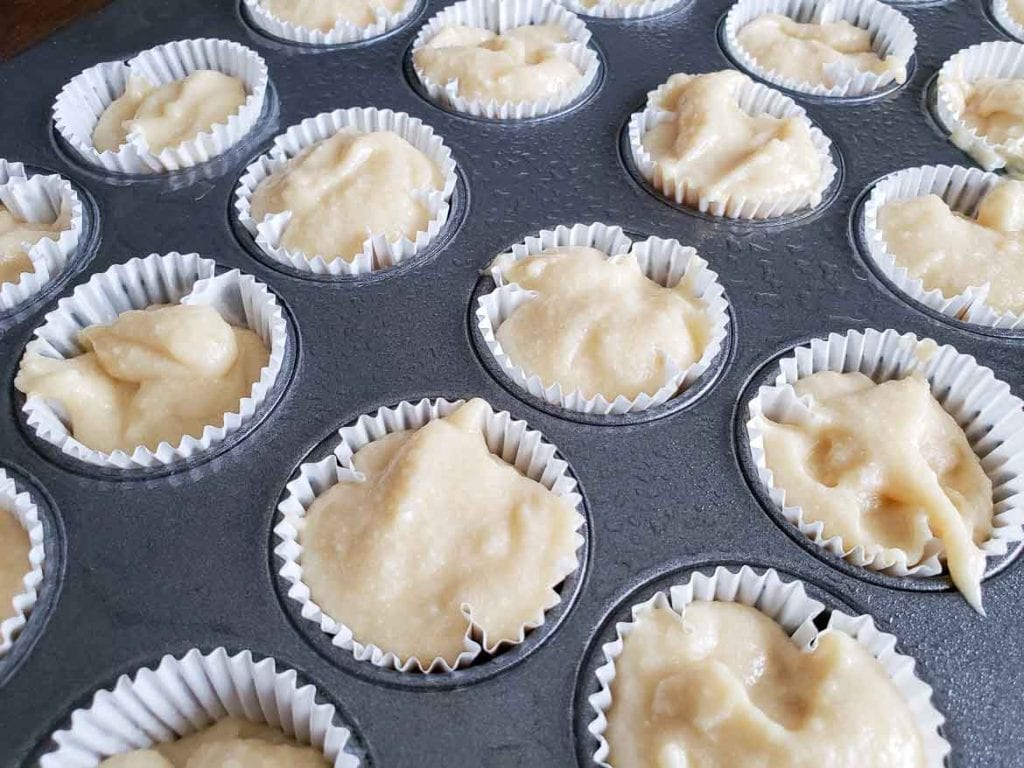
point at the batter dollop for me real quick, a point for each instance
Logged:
(884, 467)
(14, 563)
(723, 151)
(600, 325)
(169, 114)
(325, 15)
(521, 64)
(439, 532)
(724, 686)
(951, 252)
(345, 189)
(229, 743)
(817, 53)
(16, 233)
(994, 109)
(151, 376)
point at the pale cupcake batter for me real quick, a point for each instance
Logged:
(325, 15)
(169, 114)
(952, 252)
(825, 54)
(600, 325)
(883, 466)
(994, 109)
(345, 189)
(723, 151)
(229, 743)
(15, 234)
(440, 527)
(152, 375)
(522, 64)
(14, 562)
(1016, 10)
(724, 686)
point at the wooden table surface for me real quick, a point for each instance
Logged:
(24, 23)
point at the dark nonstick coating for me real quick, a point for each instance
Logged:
(155, 566)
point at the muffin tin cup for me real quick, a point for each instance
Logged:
(665, 262)
(610, 9)
(892, 34)
(39, 198)
(754, 99)
(19, 503)
(1002, 60)
(82, 100)
(963, 190)
(378, 252)
(1001, 12)
(787, 604)
(183, 695)
(499, 16)
(344, 32)
(169, 279)
(991, 417)
(510, 439)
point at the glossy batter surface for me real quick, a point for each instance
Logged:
(994, 109)
(725, 152)
(817, 53)
(169, 114)
(724, 686)
(523, 64)
(345, 189)
(951, 252)
(885, 467)
(17, 236)
(229, 743)
(151, 376)
(598, 324)
(440, 528)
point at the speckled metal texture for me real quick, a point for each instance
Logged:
(159, 565)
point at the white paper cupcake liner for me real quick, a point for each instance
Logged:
(1001, 11)
(378, 252)
(510, 439)
(1002, 60)
(170, 279)
(500, 16)
(892, 34)
(34, 199)
(342, 33)
(666, 262)
(754, 99)
(786, 603)
(991, 417)
(963, 190)
(181, 696)
(609, 9)
(14, 616)
(81, 102)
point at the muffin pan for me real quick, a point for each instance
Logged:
(162, 564)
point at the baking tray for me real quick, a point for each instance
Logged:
(159, 565)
